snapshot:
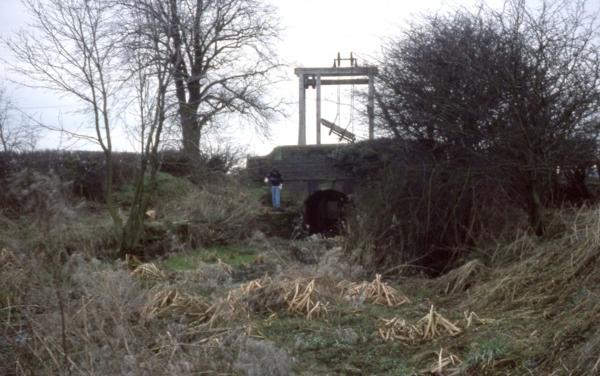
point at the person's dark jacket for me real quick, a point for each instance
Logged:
(275, 178)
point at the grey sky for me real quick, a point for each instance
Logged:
(314, 31)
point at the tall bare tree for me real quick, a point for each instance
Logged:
(220, 55)
(144, 53)
(71, 48)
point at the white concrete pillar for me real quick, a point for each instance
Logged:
(302, 114)
(318, 87)
(371, 107)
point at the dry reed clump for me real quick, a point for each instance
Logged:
(149, 272)
(305, 300)
(431, 326)
(461, 278)
(239, 296)
(446, 364)
(471, 318)
(260, 296)
(299, 296)
(376, 292)
(216, 319)
(263, 295)
(434, 325)
(170, 302)
(398, 329)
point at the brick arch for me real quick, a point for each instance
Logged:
(324, 211)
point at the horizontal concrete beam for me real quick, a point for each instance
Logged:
(357, 81)
(337, 72)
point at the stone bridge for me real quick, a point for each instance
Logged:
(312, 179)
(310, 172)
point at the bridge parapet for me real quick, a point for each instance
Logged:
(305, 169)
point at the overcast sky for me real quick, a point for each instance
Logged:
(313, 32)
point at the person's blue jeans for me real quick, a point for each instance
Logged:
(276, 196)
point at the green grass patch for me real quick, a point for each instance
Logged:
(318, 345)
(234, 255)
(256, 190)
(484, 352)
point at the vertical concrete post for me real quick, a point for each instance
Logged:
(371, 107)
(318, 87)
(302, 114)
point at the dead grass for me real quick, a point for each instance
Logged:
(550, 287)
(529, 307)
(170, 302)
(219, 213)
(461, 278)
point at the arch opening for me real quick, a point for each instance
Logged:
(324, 212)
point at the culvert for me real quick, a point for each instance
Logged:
(324, 211)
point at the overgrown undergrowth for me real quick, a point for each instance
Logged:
(265, 306)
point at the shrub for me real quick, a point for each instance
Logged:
(84, 170)
(218, 213)
(414, 208)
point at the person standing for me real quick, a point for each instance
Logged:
(276, 181)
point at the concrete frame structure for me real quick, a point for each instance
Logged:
(308, 77)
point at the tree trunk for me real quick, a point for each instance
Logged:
(110, 204)
(191, 131)
(536, 210)
(133, 231)
(191, 138)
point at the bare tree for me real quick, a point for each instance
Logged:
(552, 89)
(71, 49)
(15, 135)
(144, 54)
(513, 94)
(220, 55)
